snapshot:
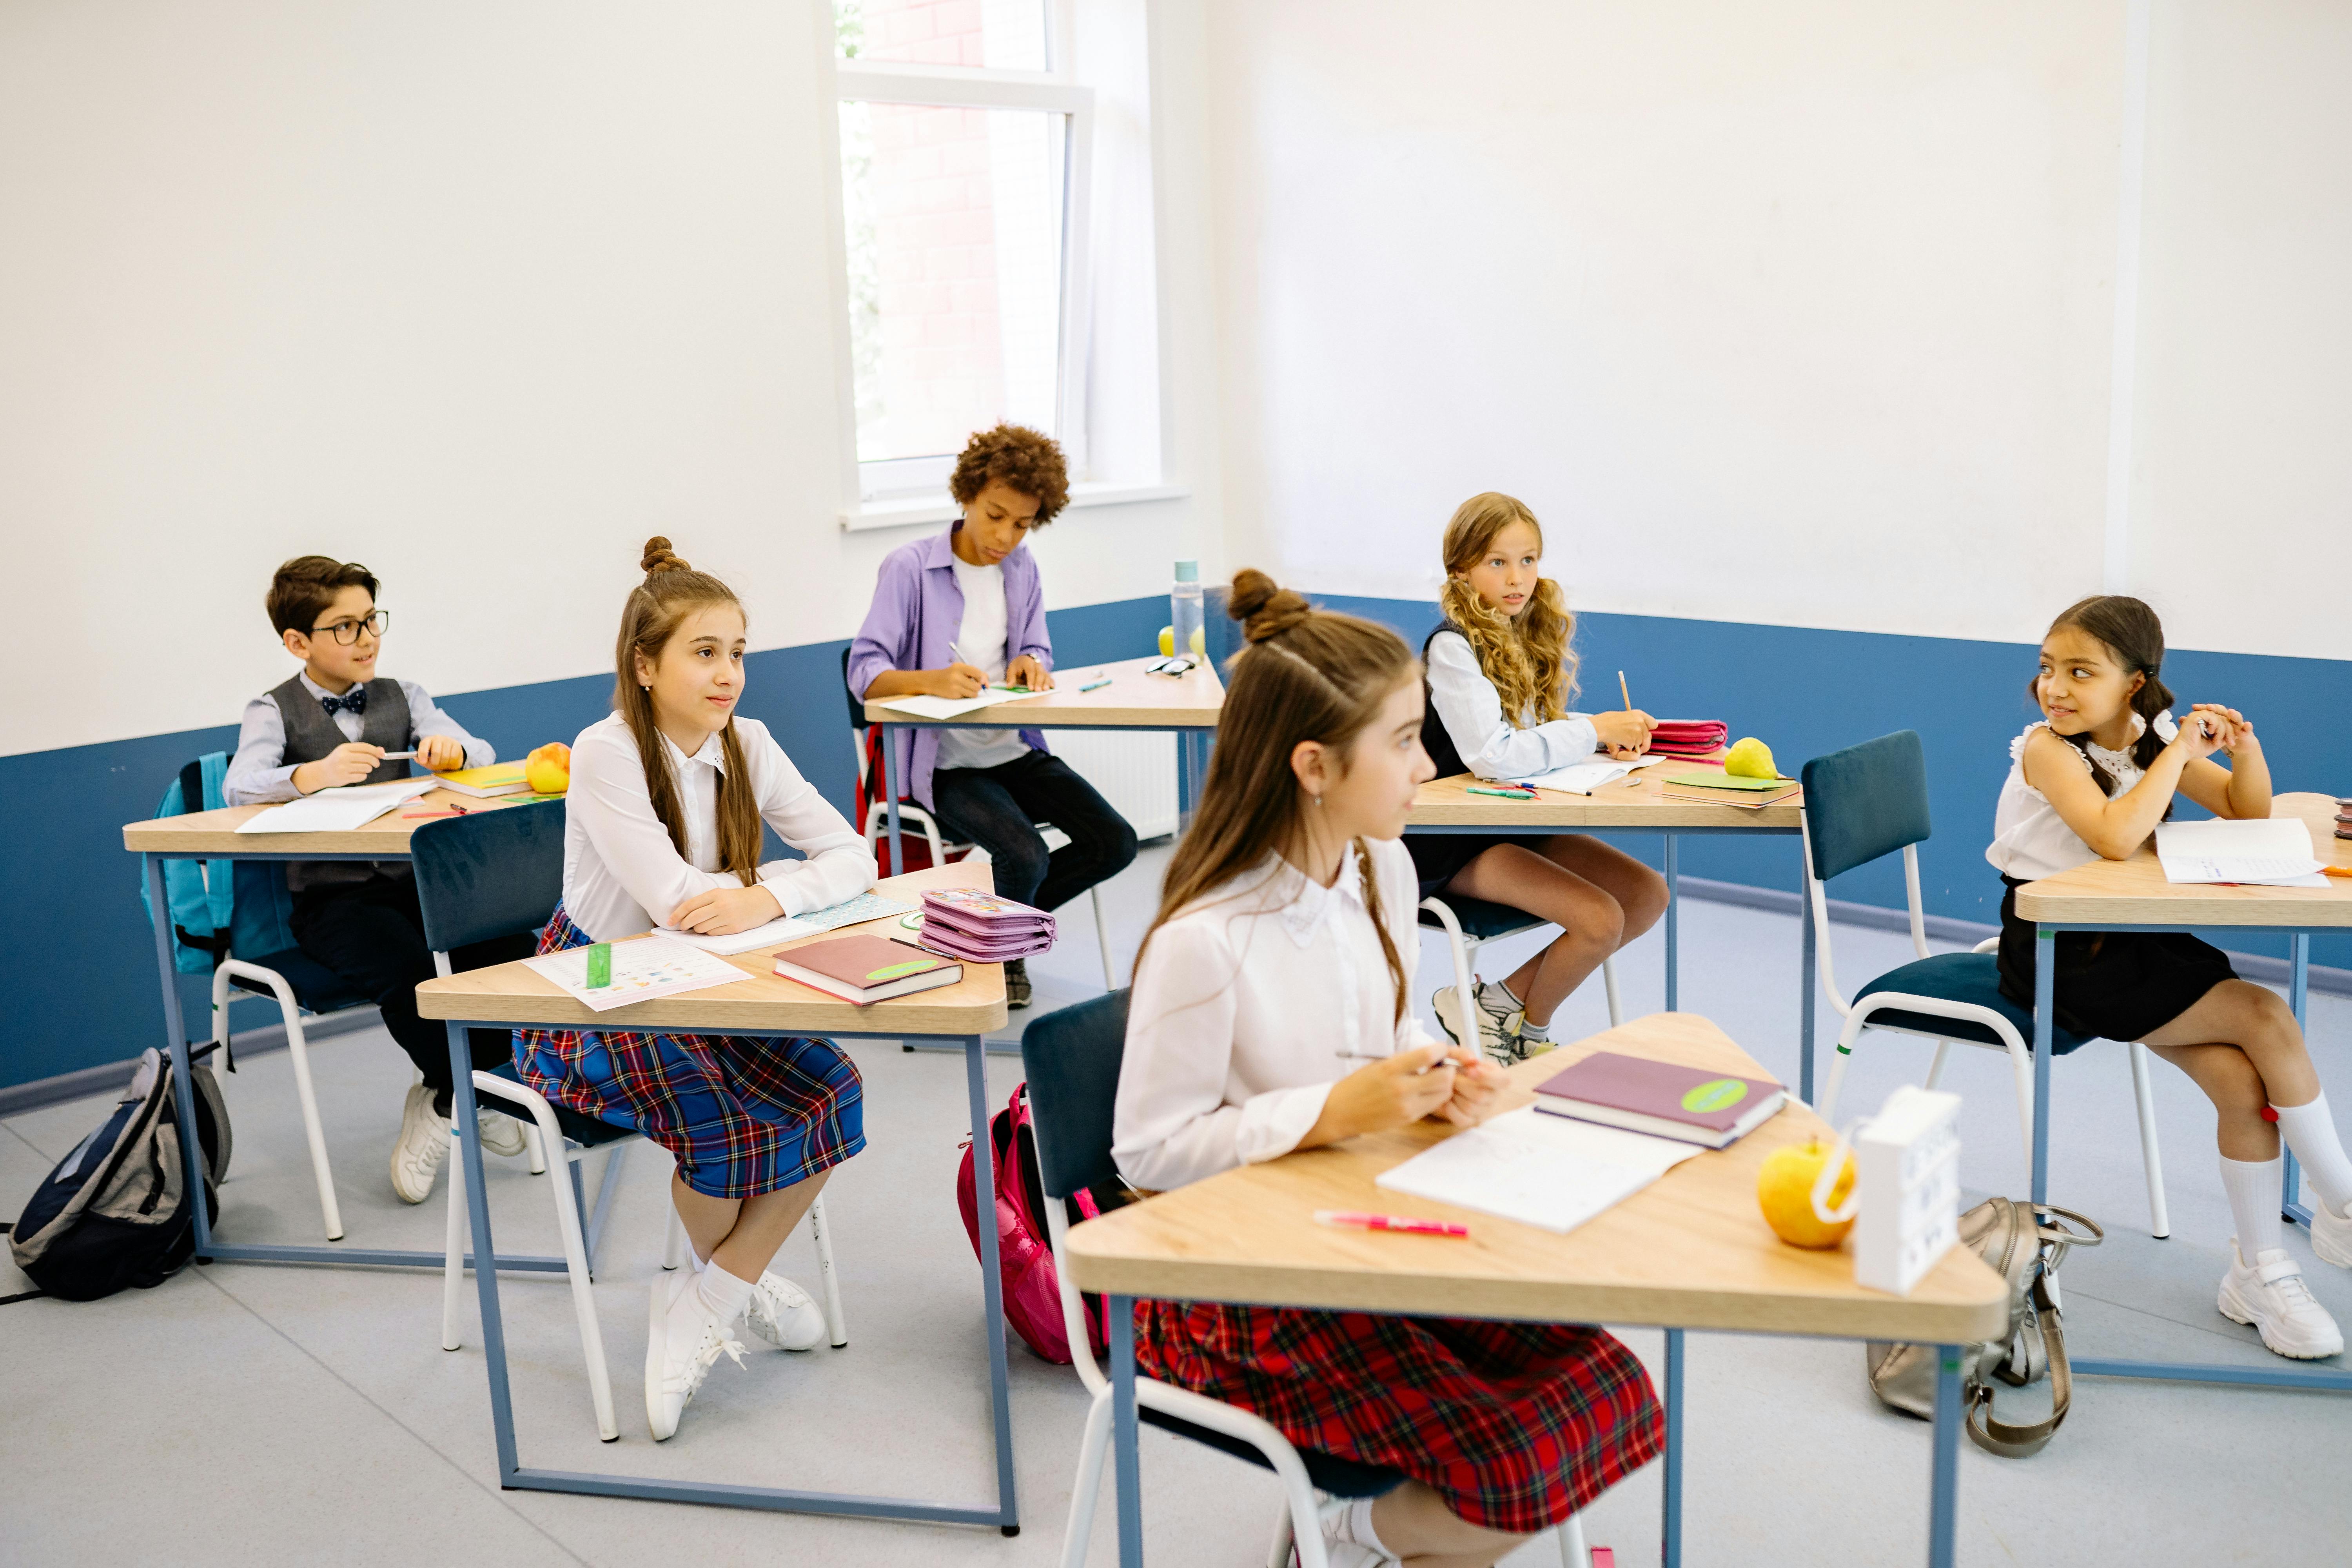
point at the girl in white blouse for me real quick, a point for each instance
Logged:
(2090, 780)
(668, 799)
(1270, 1015)
(1500, 674)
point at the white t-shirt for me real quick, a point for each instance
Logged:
(2030, 839)
(982, 637)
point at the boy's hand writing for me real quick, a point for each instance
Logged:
(346, 765)
(958, 680)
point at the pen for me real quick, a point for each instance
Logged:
(1623, 693)
(1091, 685)
(1506, 793)
(1352, 1220)
(400, 757)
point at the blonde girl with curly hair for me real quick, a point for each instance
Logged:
(1501, 672)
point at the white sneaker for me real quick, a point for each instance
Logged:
(683, 1341)
(424, 1139)
(501, 1133)
(1498, 1033)
(2273, 1297)
(781, 1313)
(1340, 1548)
(2331, 1235)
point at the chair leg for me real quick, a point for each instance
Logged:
(1609, 984)
(583, 1305)
(1279, 1555)
(1572, 1551)
(2159, 1223)
(1935, 1068)
(299, 1050)
(453, 1268)
(1102, 939)
(1306, 1522)
(828, 1283)
(536, 1148)
(1092, 1446)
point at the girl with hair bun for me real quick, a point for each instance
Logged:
(2090, 780)
(668, 795)
(1270, 1013)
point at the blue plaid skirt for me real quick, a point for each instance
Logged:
(744, 1115)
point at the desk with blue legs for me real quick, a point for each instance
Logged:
(1639, 806)
(510, 995)
(2132, 895)
(1689, 1252)
(213, 835)
(1187, 704)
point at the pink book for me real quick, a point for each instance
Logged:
(1685, 1104)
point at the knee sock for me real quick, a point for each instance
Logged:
(2310, 1132)
(727, 1296)
(1356, 1525)
(2253, 1189)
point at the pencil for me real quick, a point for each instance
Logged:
(1622, 692)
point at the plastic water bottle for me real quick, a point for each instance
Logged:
(1184, 610)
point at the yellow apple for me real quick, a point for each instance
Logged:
(1751, 758)
(548, 770)
(1784, 1190)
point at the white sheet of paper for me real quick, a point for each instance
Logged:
(791, 928)
(335, 810)
(1543, 1171)
(948, 707)
(1579, 778)
(2274, 850)
(643, 969)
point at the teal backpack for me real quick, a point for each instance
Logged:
(237, 906)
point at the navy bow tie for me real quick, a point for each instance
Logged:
(355, 699)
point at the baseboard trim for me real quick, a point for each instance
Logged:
(110, 1077)
(2258, 967)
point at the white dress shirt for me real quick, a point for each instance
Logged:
(982, 636)
(2030, 839)
(259, 775)
(621, 874)
(1248, 1006)
(1472, 711)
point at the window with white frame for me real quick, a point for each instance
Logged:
(967, 175)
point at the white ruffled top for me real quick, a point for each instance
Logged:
(2030, 839)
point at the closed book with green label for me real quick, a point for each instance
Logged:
(866, 969)
(1686, 1104)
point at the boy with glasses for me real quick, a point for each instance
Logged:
(330, 724)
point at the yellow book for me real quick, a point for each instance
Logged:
(499, 778)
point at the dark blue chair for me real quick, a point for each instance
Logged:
(1867, 802)
(1470, 923)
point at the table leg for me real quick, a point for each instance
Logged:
(2046, 994)
(1944, 1485)
(1808, 977)
(486, 1272)
(1670, 1551)
(175, 1035)
(1192, 766)
(1126, 1469)
(1673, 926)
(2299, 997)
(991, 1288)
(892, 784)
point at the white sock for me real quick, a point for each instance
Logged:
(1356, 1525)
(2310, 1132)
(1511, 1004)
(728, 1297)
(2253, 1189)
(1531, 1030)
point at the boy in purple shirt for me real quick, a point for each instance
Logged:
(951, 614)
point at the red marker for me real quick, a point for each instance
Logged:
(1352, 1220)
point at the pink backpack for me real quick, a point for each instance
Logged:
(1025, 1250)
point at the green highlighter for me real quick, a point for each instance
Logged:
(599, 965)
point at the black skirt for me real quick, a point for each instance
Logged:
(1438, 857)
(2112, 984)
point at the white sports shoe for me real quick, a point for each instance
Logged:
(781, 1313)
(2272, 1295)
(424, 1139)
(2331, 1235)
(683, 1342)
(1340, 1548)
(501, 1133)
(1498, 1033)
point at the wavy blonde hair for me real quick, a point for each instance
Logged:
(1528, 657)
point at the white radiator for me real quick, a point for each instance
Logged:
(1134, 769)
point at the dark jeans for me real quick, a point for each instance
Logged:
(373, 934)
(999, 809)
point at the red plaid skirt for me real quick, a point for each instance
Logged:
(1516, 1426)
(744, 1115)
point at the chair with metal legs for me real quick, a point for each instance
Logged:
(1072, 1058)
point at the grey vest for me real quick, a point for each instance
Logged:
(312, 734)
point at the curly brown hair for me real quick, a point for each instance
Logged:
(1531, 661)
(1028, 461)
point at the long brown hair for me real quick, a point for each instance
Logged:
(1306, 675)
(2129, 629)
(673, 590)
(1527, 658)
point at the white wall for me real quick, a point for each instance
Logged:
(479, 294)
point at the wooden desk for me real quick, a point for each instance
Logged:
(2132, 895)
(1638, 804)
(1691, 1251)
(762, 1004)
(1187, 704)
(213, 835)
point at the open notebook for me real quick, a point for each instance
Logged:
(2270, 851)
(1542, 1171)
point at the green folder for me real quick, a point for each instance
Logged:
(1725, 781)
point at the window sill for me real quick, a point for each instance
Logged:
(912, 511)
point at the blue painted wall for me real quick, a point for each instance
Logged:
(70, 895)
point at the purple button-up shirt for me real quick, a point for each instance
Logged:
(918, 609)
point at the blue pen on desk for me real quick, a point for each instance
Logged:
(1100, 680)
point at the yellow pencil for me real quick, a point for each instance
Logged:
(1622, 692)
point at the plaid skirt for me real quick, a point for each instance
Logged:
(744, 1115)
(1515, 1425)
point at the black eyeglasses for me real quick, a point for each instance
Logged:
(348, 632)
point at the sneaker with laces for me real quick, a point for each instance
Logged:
(501, 1133)
(424, 1139)
(1016, 983)
(2271, 1295)
(683, 1342)
(781, 1313)
(1498, 1033)
(2331, 1235)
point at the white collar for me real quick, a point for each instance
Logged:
(315, 689)
(1307, 904)
(711, 753)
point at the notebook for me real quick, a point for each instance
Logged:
(336, 810)
(1709, 1109)
(2269, 852)
(923, 707)
(865, 970)
(1579, 778)
(500, 778)
(1542, 1171)
(791, 928)
(644, 969)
